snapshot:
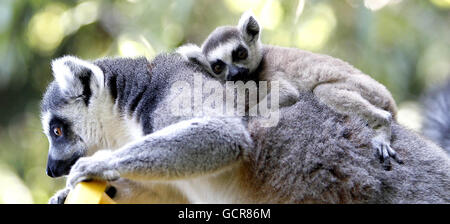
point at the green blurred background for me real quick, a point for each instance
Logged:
(403, 44)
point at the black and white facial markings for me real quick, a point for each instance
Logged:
(233, 53)
(76, 82)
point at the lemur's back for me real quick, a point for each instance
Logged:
(315, 155)
(298, 64)
(140, 86)
(307, 70)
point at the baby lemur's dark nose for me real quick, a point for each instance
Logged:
(236, 73)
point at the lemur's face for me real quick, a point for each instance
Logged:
(66, 145)
(66, 115)
(232, 53)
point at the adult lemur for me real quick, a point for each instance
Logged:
(236, 53)
(313, 155)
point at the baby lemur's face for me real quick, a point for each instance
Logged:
(233, 53)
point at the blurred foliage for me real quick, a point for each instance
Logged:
(403, 44)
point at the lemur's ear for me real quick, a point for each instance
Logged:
(77, 78)
(193, 53)
(249, 27)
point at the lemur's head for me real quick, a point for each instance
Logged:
(229, 53)
(67, 115)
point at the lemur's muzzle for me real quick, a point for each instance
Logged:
(57, 168)
(236, 73)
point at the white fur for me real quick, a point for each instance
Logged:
(223, 51)
(218, 188)
(116, 130)
(192, 52)
(62, 73)
(65, 78)
(45, 122)
(101, 125)
(189, 51)
(244, 18)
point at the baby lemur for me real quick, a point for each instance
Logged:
(236, 53)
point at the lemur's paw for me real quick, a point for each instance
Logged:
(382, 118)
(384, 152)
(59, 197)
(91, 168)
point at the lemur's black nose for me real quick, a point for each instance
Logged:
(57, 168)
(49, 172)
(236, 73)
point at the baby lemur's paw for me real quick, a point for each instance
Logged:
(59, 197)
(381, 119)
(384, 152)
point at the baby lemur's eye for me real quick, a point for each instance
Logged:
(218, 66)
(57, 131)
(240, 53)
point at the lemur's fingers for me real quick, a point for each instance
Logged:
(384, 152)
(59, 197)
(383, 155)
(77, 178)
(109, 175)
(90, 168)
(379, 153)
(386, 159)
(394, 154)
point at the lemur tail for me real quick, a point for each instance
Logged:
(436, 122)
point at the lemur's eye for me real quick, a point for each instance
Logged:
(240, 53)
(218, 67)
(57, 131)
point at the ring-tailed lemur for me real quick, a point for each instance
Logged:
(436, 122)
(236, 53)
(123, 105)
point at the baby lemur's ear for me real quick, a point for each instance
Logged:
(77, 78)
(249, 27)
(193, 53)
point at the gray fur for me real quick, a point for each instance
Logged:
(313, 155)
(436, 123)
(129, 82)
(142, 90)
(335, 82)
(225, 34)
